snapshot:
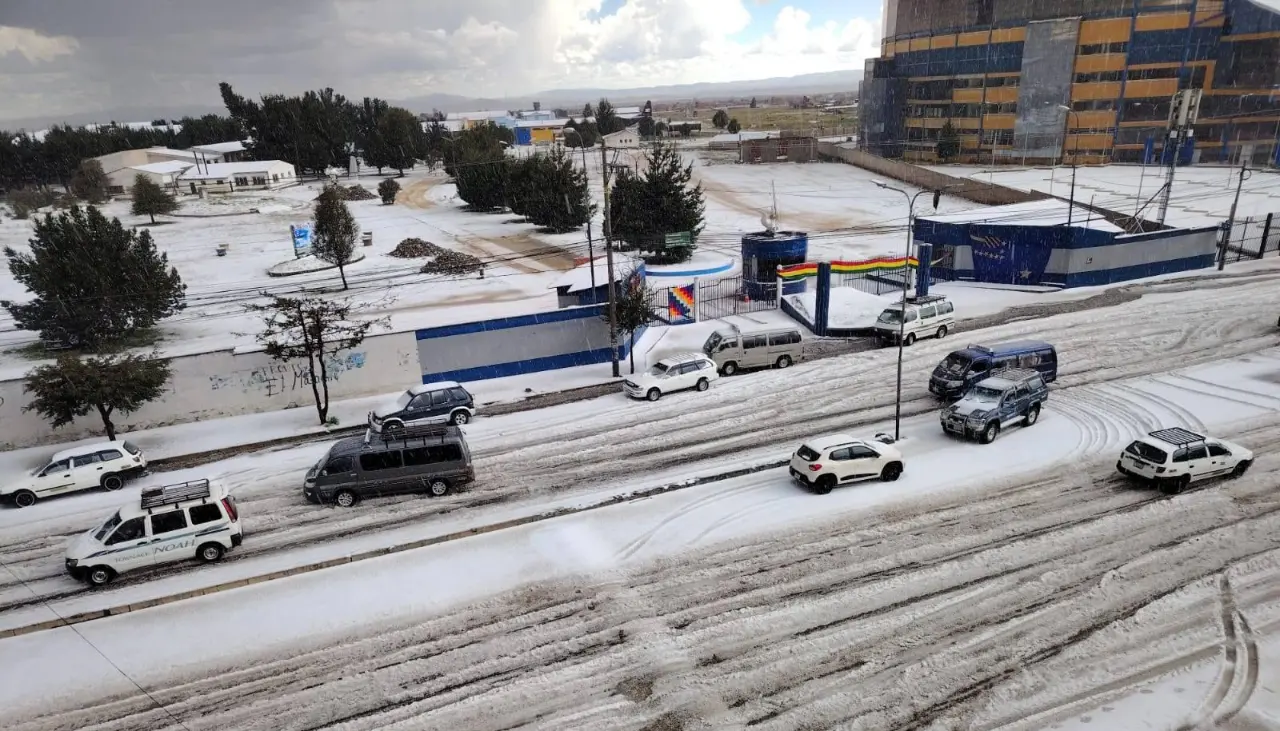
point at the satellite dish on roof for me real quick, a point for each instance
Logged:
(770, 222)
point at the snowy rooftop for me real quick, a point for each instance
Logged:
(225, 169)
(542, 123)
(164, 168)
(727, 137)
(579, 279)
(170, 152)
(488, 114)
(1051, 212)
(220, 148)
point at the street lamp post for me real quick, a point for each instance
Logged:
(902, 314)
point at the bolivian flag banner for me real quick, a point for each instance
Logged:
(794, 272)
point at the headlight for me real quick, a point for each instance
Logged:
(978, 415)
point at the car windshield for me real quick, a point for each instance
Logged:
(1147, 452)
(659, 369)
(985, 394)
(404, 399)
(891, 316)
(954, 365)
(107, 527)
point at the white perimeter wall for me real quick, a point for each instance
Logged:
(212, 385)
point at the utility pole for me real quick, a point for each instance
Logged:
(608, 255)
(1231, 217)
(1183, 110)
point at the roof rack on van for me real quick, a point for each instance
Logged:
(980, 348)
(1177, 436)
(158, 497)
(925, 299)
(415, 432)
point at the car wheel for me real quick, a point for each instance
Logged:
(99, 576)
(653, 395)
(824, 484)
(703, 384)
(438, 488)
(112, 482)
(1176, 485)
(891, 472)
(210, 552)
(394, 427)
(345, 498)
(942, 332)
(459, 418)
(729, 368)
(1033, 415)
(1241, 467)
(783, 361)
(990, 433)
(24, 498)
(911, 338)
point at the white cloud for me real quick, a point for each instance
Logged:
(33, 45)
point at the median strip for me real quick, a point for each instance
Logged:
(119, 609)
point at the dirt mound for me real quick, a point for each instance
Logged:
(452, 262)
(416, 249)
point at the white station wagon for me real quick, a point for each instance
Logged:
(105, 464)
(825, 462)
(673, 373)
(1174, 458)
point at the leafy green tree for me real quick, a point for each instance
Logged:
(387, 190)
(733, 127)
(633, 309)
(644, 209)
(149, 198)
(334, 230)
(311, 329)
(72, 387)
(948, 142)
(94, 281)
(720, 119)
(558, 196)
(90, 182)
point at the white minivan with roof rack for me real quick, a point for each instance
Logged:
(196, 519)
(103, 464)
(734, 350)
(930, 316)
(1174, 458)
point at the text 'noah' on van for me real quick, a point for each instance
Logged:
(734, 350)
(433, 459)
(958, 372)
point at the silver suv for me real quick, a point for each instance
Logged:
(1006, 397)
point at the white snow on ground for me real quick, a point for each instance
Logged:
(1202, 194)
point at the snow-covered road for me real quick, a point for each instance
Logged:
(964, 607)
(526, 459)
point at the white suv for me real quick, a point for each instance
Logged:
(821, 464)
(1174, 458)
(105, 464)
(674, 373)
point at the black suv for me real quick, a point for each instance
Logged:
(442, 401)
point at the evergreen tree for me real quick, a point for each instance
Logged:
(94, 281)
(720, 119)
(334, 230)
(399, 131)
(90, 182)
(479, 168)
(521, 184)
(753, 102)
(149, 198)
(314, 329)
(607, 119)
(72, 387)
(387, 191)
(646, 127)
(633, 309)
(733, 127)
(559, 198)
(373, 148)
(644, 210)
(948, 142)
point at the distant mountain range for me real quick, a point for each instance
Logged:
(820, 83)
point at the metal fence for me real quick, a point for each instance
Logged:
(714, 299)
(1253, 237)
(873, 283)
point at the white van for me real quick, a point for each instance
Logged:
(929, 316)
(733, 350)
(194, 519)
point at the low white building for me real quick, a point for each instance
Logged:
(628, 137)
(223, 151)
(165, 174)
(227, 177)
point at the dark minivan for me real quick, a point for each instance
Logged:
(958, 372)
(430, 459)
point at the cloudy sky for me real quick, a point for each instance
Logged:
(69, 56)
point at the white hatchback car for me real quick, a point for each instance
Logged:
(1174, 458)
(105, 464)
(673, 373)
(822, 463)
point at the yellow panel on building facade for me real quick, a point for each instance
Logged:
(1150, 87)
(1099, 90)
(966, 96)
(1162, 21)
(542, 134)
(1099, 62)
(1008, 35)
(1111, 30)
(947, 41)
(1088, 142)
(998, 121)
(1002, 94)
(972, 39)
(902, 46)
(919, 44)
(1091, 120)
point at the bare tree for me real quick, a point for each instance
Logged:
(313, 329)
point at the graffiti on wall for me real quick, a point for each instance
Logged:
(274, 379)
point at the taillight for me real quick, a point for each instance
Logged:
(815, 467)
(230, 506)
(1159, 470)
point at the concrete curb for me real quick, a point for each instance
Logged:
(119, 609)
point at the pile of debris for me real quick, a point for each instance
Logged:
(414, 248)
(453, 263)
